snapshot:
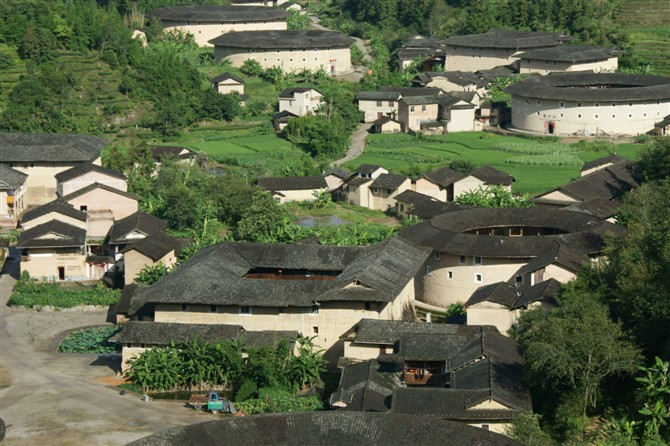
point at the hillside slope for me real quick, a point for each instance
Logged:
(648, 22)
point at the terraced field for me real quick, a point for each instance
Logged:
(537, 166)
(648, 22)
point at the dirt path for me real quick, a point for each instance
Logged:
(356, 145)
(57, 399)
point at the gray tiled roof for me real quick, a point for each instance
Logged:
(419, 100)
(413, 91)
(368, 168)
(358, 181)
(447, 232)
(506, 294)
(578, 86)
(215, 276)
(508, 39)
(444, 176)
(378, 96)
(154, 246)
(207, 13)
(489, 175)
(93, 186)
(163, 333)
(224, 77)
(290, 92)
(140, 222)
(560, 254)
(546, 291)
(377, 331)
(85, 168)
(610, 159)
(11, 178)
(414, 198)
(598, 207)
(364, 388)
(571, 53)
(292, 183)
(461, 78)
(159, 152)
(49, 147)
(429, 209)
(335, 428)
(58, 206)
(127, 293)
(389, 181)
(292, 38)
(68, 236)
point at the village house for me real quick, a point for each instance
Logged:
(103, 205)
(54, 210)
(452, 81)
(500, 304)
(662, 127)
(129, 230)
(456, 115)
(481, 246)
(336, 177)
(569, 58)
(319, 291)
(385, 188)
(469, 374)
(287, 189)
(53, 251)
(226, 83)
(429, 49)
(42, 156)
(386, 125)
(205, 22)
(292, 6)
(408, 200)
(377, 104)
(418, 114)
(589, 104)
(86, 174)
(12, 195)
(280, 120)
(137, 336)
(445, 184)
(290, 50)
(356, 189)
(180, 154)
(149, 251)
(300, 101)
(603, 181)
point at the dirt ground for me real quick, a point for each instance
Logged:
(66, 399)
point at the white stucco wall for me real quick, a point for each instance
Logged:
(67, 187)
(333, 60)
(302, 103)
(376, 109)
(204, 32)
(544, 67)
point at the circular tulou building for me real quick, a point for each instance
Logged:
(328, 428)
(482, 246)
(589, 104)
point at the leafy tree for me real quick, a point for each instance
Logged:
(322, 200)
(251, 67)
(298, 20)
(318, 135)
(463, 166)
(260, 220)
(574, 348)
(150, 274)
(655, 387)
(220, 106)
(306, 367)
(655, 161)
(526, 429)
(495, 196)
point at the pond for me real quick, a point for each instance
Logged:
(310, 221)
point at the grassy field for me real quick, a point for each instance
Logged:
(648, 23)
(403, 153)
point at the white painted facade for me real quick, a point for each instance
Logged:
(203, 32)
(334, 60)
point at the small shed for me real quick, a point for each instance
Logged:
(386, 125)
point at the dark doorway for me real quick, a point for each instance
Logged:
(550, 127)
(61, 273)
(332, 70)
(83, 208)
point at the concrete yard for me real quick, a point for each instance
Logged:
(66, 399)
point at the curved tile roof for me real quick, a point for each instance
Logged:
(291, 38)
(589, 86)
(218, 14)
(333, 428)
(50, 147)
(508, 39)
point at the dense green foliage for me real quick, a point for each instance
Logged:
(151, 273)
(199, 365)
(273, 400)
(495, 196)
(32, 294)
(91, 340)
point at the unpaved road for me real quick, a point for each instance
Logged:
(54, 399)
(356, 144)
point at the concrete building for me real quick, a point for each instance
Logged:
(497, 47)
(53, 251)
(205, 22)
(103, 205)
(43, 156)
(226, 83)
(12, 195)
(319, 291)
(469, 374)
(357, 188)
(415, 112)
(569, 58)
(148, 251)
(300, 101)
(290, 50)
(377, 104)
(287, 189)
(86, 174)
(479, 246)
(589, 104)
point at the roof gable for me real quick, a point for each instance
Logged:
(98, 186)
(83, 169)
(49, 147)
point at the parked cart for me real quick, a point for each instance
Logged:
(211, 402)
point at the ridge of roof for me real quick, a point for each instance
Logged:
(57, 205)
(71, 236)
(85, 168)
(96, 185)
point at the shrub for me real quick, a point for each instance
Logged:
(537, 149)
(251, 67)
(463, 166)
(546, 160)
(91, 340)
(277, 400)
(248, 390)
(32, 294)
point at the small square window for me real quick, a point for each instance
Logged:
(245, 311)
(476, 260)
(315, 330)
(596, 116)
(630, 116)
(142, 346)
(450, 275)
(579, 104)
(579, 116)
(518, 279)
(314, 310)
(561, 104)
(613, 104)
(561, 115)
(212, 308)
(461, 260)
(613, 116)
(83, 208)
(390, 103)
(630, 104)
(479, 278)
(379, 103)
(368, 306)
(411, 109)
(597, 104)
(485, 427)
(423, 108)
(539, 102)
(429, 270)
(184, 307)
(436, 255)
